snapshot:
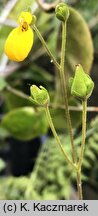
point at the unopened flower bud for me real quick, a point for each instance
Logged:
(62, 12)
(82, 84)
(39, 95)
(33, 19)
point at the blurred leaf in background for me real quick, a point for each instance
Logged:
(79, 43)
(88, 8)
(25, 123)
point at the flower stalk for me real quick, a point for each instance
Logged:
(46, 47)
(84, 113)
(79, 184)
(64, 89)
(56, 136)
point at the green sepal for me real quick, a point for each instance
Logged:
(39, 95)
(62, 12)
(82, 85)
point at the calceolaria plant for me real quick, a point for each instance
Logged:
(17, 48)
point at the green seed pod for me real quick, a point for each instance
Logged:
(39, 95)
(82, 84)
(62, 12)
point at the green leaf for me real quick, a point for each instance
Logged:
(2, 83)
(79, 44)
(24, 123)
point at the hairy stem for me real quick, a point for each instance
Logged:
(84, 112)
(79, 185)
(46, 47)
(64, 90)
(56, 136)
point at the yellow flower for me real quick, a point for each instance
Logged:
(25, 17)
(20, 39)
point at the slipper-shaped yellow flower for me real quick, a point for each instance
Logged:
(20, 39)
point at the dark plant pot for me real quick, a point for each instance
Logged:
(23, 155)
(20, 156)
(90, 193)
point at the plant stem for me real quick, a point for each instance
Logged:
(64, 89)
(62, 76)
(46, 47)
(63, 79)
(79, 185)
(56, 136)
(84, 103)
